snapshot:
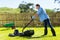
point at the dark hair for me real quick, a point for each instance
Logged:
(37, 5)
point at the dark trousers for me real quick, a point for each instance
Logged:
(47, 22)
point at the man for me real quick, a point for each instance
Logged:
(41, 13)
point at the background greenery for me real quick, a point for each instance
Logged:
(8, 15)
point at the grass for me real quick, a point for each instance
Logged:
(37, 36)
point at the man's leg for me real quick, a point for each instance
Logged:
(52, 29)
(45, 25)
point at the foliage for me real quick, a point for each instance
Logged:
(22, 19)
(57, 0)
(25, 7)
(9, 10)
(49, 10)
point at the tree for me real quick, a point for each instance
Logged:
(25, 7)
(58, 3)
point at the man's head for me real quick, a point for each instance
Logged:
(37, 6)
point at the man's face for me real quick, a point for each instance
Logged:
(37, 7)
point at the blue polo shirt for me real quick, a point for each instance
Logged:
(42, 14)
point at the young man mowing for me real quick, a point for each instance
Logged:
(41, 13)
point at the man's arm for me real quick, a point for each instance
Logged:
(38, 13)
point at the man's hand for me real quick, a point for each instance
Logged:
(35, 15)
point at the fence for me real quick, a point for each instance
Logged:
(22, 19)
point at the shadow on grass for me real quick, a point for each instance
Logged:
(36, 37)
(42, 36)
(4, 29)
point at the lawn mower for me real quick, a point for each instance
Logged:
(27, 33)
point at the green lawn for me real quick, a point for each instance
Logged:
(37, 36)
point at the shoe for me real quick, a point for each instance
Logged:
(54, 35)
(11, 35)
